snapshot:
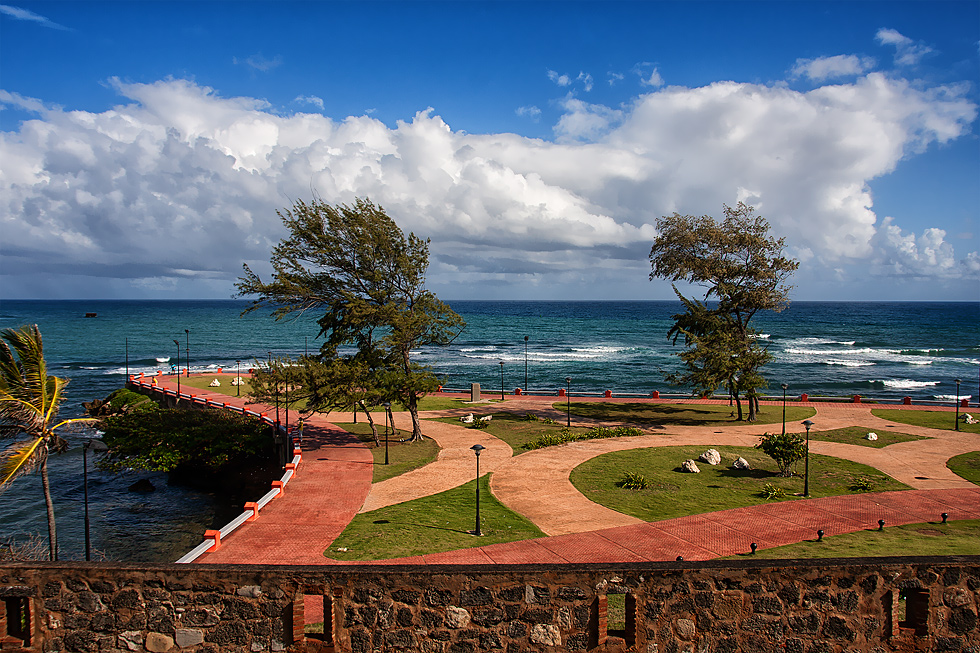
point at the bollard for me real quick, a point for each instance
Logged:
(608, 394)
(216, 536)
(278, 485)
(907, 401)
(561, 392)
(655, 394)
(517, 391)
(254, 507)
(804, 397)
(856, 399)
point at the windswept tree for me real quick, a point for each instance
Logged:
(355, 264)
(29, 403)
(743, 271)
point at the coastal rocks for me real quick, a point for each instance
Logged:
(159, 643)
(741, 463)
(711, 456)
(142, 486)
(871, 436)
(690, 467)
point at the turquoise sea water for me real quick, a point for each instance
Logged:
(880, 350)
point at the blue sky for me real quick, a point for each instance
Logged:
(145, 146)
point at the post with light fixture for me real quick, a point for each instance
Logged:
(238, 379)
(501, 380)
(806, 464)
(477, 448)
(784, 387)
(177, 342)
(387, 406)
(187, 352)
(957, 404)
(525, 364)
(94, 445)
(568, 402)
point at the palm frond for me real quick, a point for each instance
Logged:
(19, 459)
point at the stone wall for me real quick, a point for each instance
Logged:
(884, 604)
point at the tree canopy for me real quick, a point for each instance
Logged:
(29, 402)
(743, 271)
(355, 264)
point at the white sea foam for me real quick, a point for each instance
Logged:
(918, 362)
(847, 363)
(951, 397)
(906, 384)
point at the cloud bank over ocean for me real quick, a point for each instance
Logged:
(173, 188)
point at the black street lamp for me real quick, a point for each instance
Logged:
(957, 404)
(525, 364)
(176, 342)
(238, 379)
(187, 352)
(94, 445)
(501, 380)
(806, 465)
(568, 402)
(784, 387)
(387, 406)
(477, 448)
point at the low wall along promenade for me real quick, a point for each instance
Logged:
(883, 604)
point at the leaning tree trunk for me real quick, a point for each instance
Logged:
(413, 409)
(374, 427)
(52, 528)
(753, 406)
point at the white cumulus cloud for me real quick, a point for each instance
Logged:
(907, 51)
(823, 68)
(179, 183)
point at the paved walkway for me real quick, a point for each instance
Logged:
(334, 482)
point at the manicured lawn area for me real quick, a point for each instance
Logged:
(402, 456)
(513, 429)
(682, 414)
(931, 539)
(933, 419)
(966, 465)
(671, 493)
(856, 435)
(435, 523)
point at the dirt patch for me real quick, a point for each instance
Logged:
(932, 532)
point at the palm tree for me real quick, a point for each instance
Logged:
(29, 401)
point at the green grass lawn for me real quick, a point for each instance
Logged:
(856, 435)
(966, 465)
(513, 429)
(672, 493)
(402, 456)
(933, 419)
(682, 414)
(931, 539)
(431, 524)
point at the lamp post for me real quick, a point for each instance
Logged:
(176, 342)
(525, 363)
(477, 448)
(784, 387)
(568, 402)
(187, 352)
(127, 360)
(501, 380)
(238, 379)
(387, 406)
(95, 445)
(957, 404)
(806, 464)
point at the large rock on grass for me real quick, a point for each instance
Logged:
(690, 467)
(711, 456)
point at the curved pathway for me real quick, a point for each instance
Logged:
(333, 483)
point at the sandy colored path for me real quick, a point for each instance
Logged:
(521, 482)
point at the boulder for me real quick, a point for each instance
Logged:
(690, 467)
(215, 384)
(486, 418)
(741, 463)
(711, 456)
(969, 419)
(467, 419)
(871, 436)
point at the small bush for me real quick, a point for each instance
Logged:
(784, 449)
(596, 433)
(530, 417)
(772, 492)
(632, 481)
(864, 484)
(480, 424)
(548, 420)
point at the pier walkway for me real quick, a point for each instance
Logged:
(333, 483)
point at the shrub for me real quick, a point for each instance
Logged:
(771, 492)
(480, 424)
(632, 481)
(530, 417)
(784, 449)
(864, 484)
(548, 420)
(566, 435)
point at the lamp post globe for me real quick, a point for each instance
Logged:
(806, 464)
